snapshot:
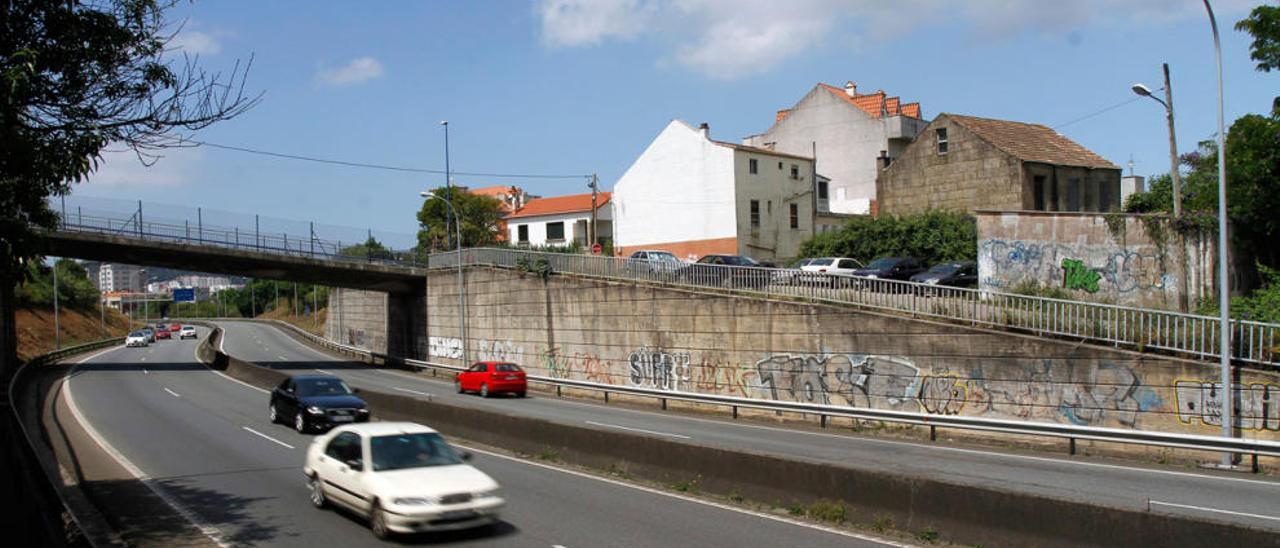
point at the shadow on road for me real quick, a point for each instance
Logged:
(144, 519)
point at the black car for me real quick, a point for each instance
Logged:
(961, 274)
(891, 268)
(316, 401)
(717, 270)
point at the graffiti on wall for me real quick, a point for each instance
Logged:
(356, 337)
(585, 366)
(1093, 268)
(1258, 404)
(656, 368)
(857, 380)
(445, 347)
(498, 351)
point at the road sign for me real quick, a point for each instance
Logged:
(596, 248)
(184, 295)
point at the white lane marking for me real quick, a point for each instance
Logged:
(1202, 508)
(260, 434)
(703, 502)
(282, 358)
(145, 371)
(853, 439)
(323, 372)
(207, 530)
(411, 391)
(654, 432)
(142, 359)
(174, 394)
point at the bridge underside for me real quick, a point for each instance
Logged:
(272, 266)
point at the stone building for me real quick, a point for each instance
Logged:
(968, 163)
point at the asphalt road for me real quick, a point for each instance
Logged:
(1224, 496)
(204, 441)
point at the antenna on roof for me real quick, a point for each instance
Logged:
(1131, 165)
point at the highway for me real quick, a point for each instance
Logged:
(1225, 496)
(204, 441)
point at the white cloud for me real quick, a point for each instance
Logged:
(194, 42)
(122, 170)
(357, 71)
(730, 39)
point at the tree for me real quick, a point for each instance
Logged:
(371, 248)
(76, 76)
(479, 215)
(934, 236)
(1263, 24)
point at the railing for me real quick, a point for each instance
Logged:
(1134, 328)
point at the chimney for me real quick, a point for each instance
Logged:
(851, 88)
(705, 129)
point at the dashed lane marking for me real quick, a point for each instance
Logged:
(172, 393)
(428, 396)
(266, 437)
(641, 430)
(1215, 510)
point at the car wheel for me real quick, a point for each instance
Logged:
(457, 385)
(378, 522)
(271, 412)
(317, 492)
(484, 390)
(520, 394)
(300, 423)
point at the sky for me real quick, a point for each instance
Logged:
(574, 87)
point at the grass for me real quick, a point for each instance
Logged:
(689, 486)
(928, 534)
(547, 454)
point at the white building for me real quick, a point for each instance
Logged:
(560, 220)
(853, 136)
(121, 277)
(693, 196)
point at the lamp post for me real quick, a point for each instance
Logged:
(462, 292)
(448, 184)
(1224, 300)
(1174, 175)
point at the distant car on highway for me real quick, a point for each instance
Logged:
(163, 334)
(188, 332)
(175, 327)
(137, 338)
(488, 378)
(316, 401)
(401, 477)
(150, 333)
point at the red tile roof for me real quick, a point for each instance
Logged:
(501, 192)
(876, 104)
(1031, 142)
(556, 205)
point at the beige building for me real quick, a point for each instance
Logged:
(692, 195)
(968, 163)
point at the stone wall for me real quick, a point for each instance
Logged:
(1131, 260)
(972, 174)
(669, 339)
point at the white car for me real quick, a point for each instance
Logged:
(830, 266)
(137, 338)
(188, 331)
(403, 477)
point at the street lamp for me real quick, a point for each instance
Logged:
(448, 182)
(1167, 103)
(1224, 300)
(462, 291)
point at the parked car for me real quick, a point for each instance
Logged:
(163, 334)
(791, 275)
(733, 270)
(137, 338)
(188, 332)
(311, 401)
(828, 268)
(488, 378)
(150, 333)
(891, 268)
(652, 262)
(402, 477)
(961, 274)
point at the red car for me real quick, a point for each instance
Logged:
(162, 334)
(175, 327)
(492, 378)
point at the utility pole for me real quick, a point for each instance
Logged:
(448, 185)
(1173, 152)
(57, 324)
(102, 313)
(253, 300)
(595, 193)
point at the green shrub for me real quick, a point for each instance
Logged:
(934, 236)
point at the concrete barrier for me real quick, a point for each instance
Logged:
(960, 513)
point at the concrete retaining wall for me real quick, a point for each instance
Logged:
(358, 318)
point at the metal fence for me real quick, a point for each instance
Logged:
(1134, 328)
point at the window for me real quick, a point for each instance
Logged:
(523, 234)
(755, 213)
(753, 166)
(822, 190)
(795, 171)
(344, 448)
(941, 134)
(795, 216)
(555, 231)
(1037, 189)
(779, 165)
(1073, 194)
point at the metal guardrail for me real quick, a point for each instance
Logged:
(1140, 329)
(1134, 328)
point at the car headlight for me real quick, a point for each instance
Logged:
(414, 501)
(315, 410)
(872, 276)
(491, 493)
(362, 410)
(931, 281)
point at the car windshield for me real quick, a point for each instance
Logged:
(137, 334)
(506, 367)
(883, 264)
(946, 268)
(803, 262)
(821, 262)
(322, 387)
(738, 260)
(663, 256)
(401, 451)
